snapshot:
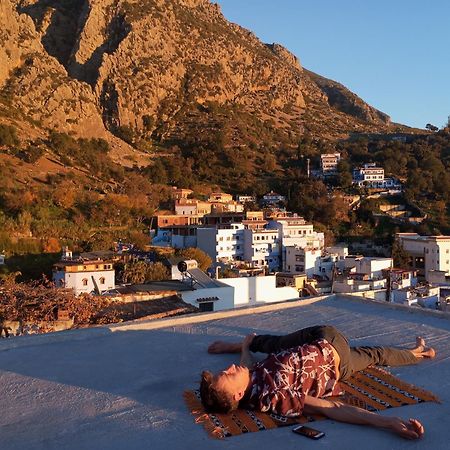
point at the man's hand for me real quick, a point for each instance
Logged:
(409, 429)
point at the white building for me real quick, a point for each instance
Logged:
(245, 198)
(368, 175)
(301, 260)
(329, 163)
(438, 277)
(371, 266)
(373, 177)
(222, 244)
(272, 198)
(234, 242)
(424, 296)
(359, 283)
(220, 197)
(427, 253)
(228, 293)
(262, 248)
(400, 278)
(84, 276)
(176, 236)
(295, 231)
(185, 207)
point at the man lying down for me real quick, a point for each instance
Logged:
(300, 368)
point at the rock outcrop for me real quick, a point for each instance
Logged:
(93, 66)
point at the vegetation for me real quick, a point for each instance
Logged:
(138, 272)
(204, 261)
(8, 136)
(40, 301)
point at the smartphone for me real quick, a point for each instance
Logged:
(308, 432)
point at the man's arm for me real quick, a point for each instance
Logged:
(225, 347)
(409, 429)
(246, 357)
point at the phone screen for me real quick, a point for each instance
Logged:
(308, 432)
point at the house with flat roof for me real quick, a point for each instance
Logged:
(329, 163)
(84, 276)
(427, 253)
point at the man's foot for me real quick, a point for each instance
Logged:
(225, 347)
(421, 350)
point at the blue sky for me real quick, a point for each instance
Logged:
(394, 54)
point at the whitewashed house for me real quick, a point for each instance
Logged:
(329, 163)
(84, 276)
(224, 243)
(427, 253)
(262, 248)
(295, 232)
(301, 260)
(272, 198)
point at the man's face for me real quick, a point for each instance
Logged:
(233, 380)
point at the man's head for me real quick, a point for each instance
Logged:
(222, 392)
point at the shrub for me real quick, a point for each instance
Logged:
(8, 136)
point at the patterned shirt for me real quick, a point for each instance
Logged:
(282, 380)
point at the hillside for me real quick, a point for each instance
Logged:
(105, 104)
(162, 72)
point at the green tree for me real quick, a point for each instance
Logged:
(344, 174)
(8, 136)
(399, 255)
(204, 261)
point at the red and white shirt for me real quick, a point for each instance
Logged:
(282, 380)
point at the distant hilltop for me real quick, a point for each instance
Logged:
(162, 71)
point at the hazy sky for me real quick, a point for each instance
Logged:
(394, 54)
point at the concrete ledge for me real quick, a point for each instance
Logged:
(397, 306)
(104, 330)
(206, 317)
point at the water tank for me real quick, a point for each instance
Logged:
(188, 264)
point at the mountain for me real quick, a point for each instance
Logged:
(154, 71)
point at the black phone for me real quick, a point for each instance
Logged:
(308, 432)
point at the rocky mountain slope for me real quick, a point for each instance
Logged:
(163, 71)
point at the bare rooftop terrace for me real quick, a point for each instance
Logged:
(120, 386)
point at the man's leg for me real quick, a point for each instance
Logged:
(362, 357)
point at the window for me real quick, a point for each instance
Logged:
(102, 280)
(206, 306)
(85, 282)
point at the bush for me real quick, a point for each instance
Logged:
(8, 136)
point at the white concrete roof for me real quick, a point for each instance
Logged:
(120, 387)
